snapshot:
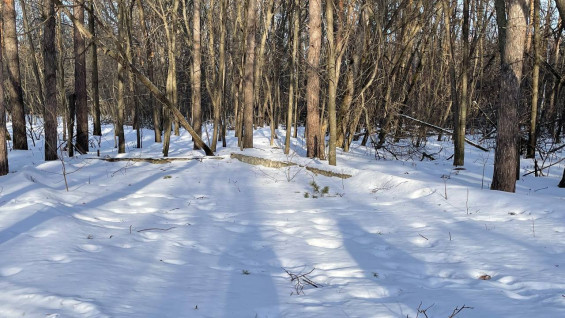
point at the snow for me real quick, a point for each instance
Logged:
(215, 238)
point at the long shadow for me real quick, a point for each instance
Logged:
(251, 291)
(405, 277)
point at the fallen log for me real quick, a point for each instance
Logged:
(256, 161)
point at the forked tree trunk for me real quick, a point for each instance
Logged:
(14, 86)
(50, 73)
(505, 164)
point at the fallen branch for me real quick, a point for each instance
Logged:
(543, 168)
(301, 280)
(444, 130)
(153, 160)
(155, 229)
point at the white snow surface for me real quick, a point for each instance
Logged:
(213, 237)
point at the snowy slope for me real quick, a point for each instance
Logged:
(213, 237)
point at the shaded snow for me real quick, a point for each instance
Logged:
(212, 238)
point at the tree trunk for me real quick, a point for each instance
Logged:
(61, 92)
(71, 103)
(333, 77)
(50, 73)
(196, 71)
(461, 117)
(97, 127)
(293, 74)
(80, 81)
(119, 126)
(314, 137)
(532, 139)
(4, 169)
(504, 176)
(14, 87)
(248, 76)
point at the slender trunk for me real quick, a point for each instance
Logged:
(71, 103)
(532, 140)
(248, 76)
(50, 73)
(14, 86)
(4, 169)
(119, 126)
(196, 71)
(293, 71)
(80, 81)
(461, 118)
(62, 95)
(333, 77)
(97, 127)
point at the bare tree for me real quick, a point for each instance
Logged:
(248, 75)
(97, 128)
(80, 81)
(50, 73)
(505, 163)
(4, 169)
(14, 87)
(196, 71)
(314, 143)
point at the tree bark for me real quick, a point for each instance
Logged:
(4, 169)
(119, 125)
(461, 117)
(50, 73)
(505, 164)
(293, 74)
(97, 127)
(532, 139)
(196, 71)
(248, 89)
(313, 135)
(14, 87)
(80, 81)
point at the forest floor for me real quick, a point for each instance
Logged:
(221, 238)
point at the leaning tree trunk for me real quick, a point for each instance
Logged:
(3, 147)
(50, 66)
(314, 136)
(505, 164)
(14, 87)
(80, 81)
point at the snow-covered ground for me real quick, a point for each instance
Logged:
(218, 238)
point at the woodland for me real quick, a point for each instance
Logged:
(381, 70)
